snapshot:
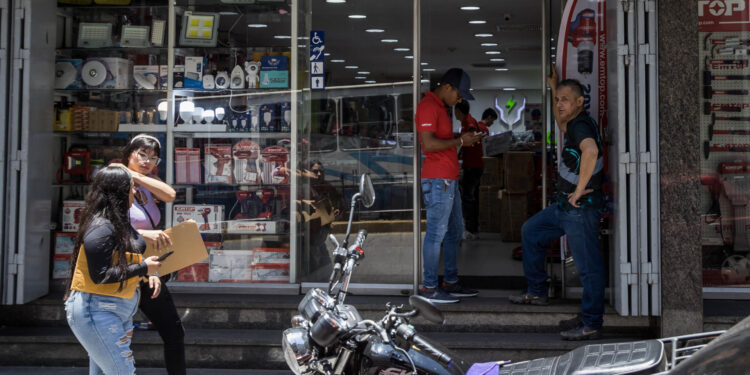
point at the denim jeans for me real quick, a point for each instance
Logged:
(445, 226)
(104, 326)
(582, 228)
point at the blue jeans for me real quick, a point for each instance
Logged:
(582, 228)
(104, 326)
(445, 226)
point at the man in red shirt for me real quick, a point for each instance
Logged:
(472, 165)
(440, 185)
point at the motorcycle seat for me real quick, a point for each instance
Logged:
(639, 357)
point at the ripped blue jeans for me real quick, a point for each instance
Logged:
(104, 326)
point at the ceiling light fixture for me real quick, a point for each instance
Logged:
(501, 69)
(327, 54)
(358, 77)
(351, 67)
(428, 70)
(375, 30)
(401, 49)
(483, 35)
(469, 8)
(370, 81)
(335, 1)
(489, 44)
(363, 73)
(409, 57)
(389, 40)
(492, 52)
(282, 37)
(497, 60)
(509, 89)
(424, 63)
(301, 45)
(477, 22)
(337, 61)
(257, 25)
(357, 16)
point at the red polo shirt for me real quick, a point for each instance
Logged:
(472, 156)
(432, 116)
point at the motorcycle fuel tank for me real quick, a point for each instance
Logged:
(382, 359)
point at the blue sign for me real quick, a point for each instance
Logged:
(317, 60)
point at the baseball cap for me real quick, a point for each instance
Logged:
(457, 78)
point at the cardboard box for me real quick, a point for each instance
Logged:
(196, 273)
(150, 73)
(246, 165)
(489, 209)
(103, 120)
(514, 210)
(497, 144)
(68, 74)
(118, 73)
(187, 164)
(61, 267)
(230, 266)
(210, 218)
(164, 76)
(274, 162)
(490, 176)
(64, 243)
(251, 226)
(179, 76)
(218, 164)
(519, 172)
(270, 273)
(194, 66)
(71, 215)
(266, 255)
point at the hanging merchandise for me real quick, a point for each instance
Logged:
(274, 168)
(76, 165)
(246, 154)
(218, 164)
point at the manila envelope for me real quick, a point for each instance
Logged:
(187, 245)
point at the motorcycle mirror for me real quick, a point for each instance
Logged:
(427, 309)
(366, 191)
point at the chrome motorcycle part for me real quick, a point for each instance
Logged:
(315, 303)
(299, 321)
(367, 191)
(297, 349)
(327, 329)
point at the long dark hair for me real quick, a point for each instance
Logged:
(141, 141)
(108, 199)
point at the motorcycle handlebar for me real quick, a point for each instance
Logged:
(361, 237)
(434, 352)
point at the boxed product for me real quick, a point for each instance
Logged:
(267, 118)
(270, 273)
(246, 154)
(198, 272)
(63, 117)
(164, 76)
(274, 72)
(61, 267)
(115, 69)
(104, 120)
(268, 255)
(68, 74)
(251, 226)
(230, 266)
(497, 144)
(64, 243)
(208, 217)
(218, 164)
(187, 164)
(179, 76)
(273, 164)
(285, 117)
(146, 77)
(71, 215)
(194, 66)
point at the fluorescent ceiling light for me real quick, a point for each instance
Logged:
(477, 22)
(228, 13)
(389, 40)
(375, 30)
(358, 77)
(424, 63)
(425, 81)
(301, 45)
(554, 48)
(497, 60)
(469, 8)
(282, 37)
(351, 67)
(428, 70)
(326, 54)
(257, 25)
(401, 49)
(483, 35)
(492, 52)
(489, 44)
(409, 57)
(509, 89)
(357, 16)
(335, 1)
(501, 69)
(303, 37)
(363, 73)
(370, 81)
(337, 61)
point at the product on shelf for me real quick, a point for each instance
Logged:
(248, 226)
(266, 255)
(246, 154)
(146, 77)
(63, 116)
(61, 267)
(274, 72)
(179, 76)
(270, 273)
(71, 215)
(267, 118)
(237, 78)
(194, 66)
(208, 217)
(107, 73)
(218, 164)
(68, 74)
(76, 166)
(64, 243)
(285, 117)
(274, 168)
(230, 266)
(252, 68)
(187, 164)
(198, 272)
(164, 76)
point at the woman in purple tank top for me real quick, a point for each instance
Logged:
(142, 156)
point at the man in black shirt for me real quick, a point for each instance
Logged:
(576, 213)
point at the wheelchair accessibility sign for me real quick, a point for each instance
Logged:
(317, 60)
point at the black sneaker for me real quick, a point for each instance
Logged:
(571, 323)
(581, 333)
(528, 299)
(437, 295)
(458, 290)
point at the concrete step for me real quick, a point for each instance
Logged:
(261, 349)
(489, 313)
(46, 370)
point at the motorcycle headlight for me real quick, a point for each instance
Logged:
(299, 321)
(297, 350)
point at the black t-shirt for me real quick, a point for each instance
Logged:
(99, 244)
(569, 166)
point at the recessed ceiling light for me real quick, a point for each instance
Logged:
(554, 48)
(335, 1)
(337, 61)
(389, 40)
(401, 49)
(509, 89)
(497, 60)
(375, 30)
(424, 63)
(257, 25)
(409, 57)
(370, 81)
(282, 37)
(228, 13)
(477, 22)
(483, 35)
(358, 77)
(357, 16)
(351, 67)
(492, 52)
(501, 69)
(303, 37)
(428, 70)
(363, 73)
(327, 54)
(489, 44)
(469, 8)
(425, 81)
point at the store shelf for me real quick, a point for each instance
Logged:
(114, 91)
(228, 185)
(142, 128)
(107, 51)
(184, 132)
(201, 128)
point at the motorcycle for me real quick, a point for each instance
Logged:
(329, 337)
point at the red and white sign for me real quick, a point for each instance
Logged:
(723, 15)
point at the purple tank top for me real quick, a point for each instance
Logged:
(138, 217)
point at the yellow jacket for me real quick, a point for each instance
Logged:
(82, 281)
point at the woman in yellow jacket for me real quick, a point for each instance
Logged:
(106, 267)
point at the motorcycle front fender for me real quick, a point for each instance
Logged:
(382, 359)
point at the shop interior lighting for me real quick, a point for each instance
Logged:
(162, 108)
(158, 28)
(489, 44)
(409, 57)
(301, 45)
(94, 35)
(370, 81)
(338, 61)
(375, 30)
(389, 40)
(282, 37)
(360, 77)
(492, 52)
(199, 29)
(428, 70)
(424, 63)
(357, 16)
(401, 49)
(257, 25)
(469, 8)
(238, 1)
(134, 36)
(351, 67)
(477, 22)
(335, 1)
(483, 35)
(501, 69)
(363, 73)
(509, 89)
(326, 54)
(497, 60)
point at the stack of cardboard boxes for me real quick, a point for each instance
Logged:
(518, 172)
(489, 201)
